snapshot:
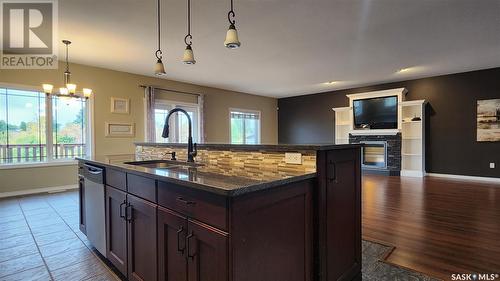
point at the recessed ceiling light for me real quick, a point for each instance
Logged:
(404, 70)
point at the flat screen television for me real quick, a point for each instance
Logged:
(376, 113)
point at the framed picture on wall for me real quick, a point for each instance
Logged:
(123, 130)
(119, 105)
(488, 120)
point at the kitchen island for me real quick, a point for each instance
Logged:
(238, 213)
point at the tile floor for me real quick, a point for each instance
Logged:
(40, 240)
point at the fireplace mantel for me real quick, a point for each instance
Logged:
(383, 132)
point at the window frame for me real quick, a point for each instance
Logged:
(89, 131)
(173, 129)
(250, 111)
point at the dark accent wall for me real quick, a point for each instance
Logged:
(451, 146)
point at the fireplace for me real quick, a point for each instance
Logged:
(381, 153)
(374, 154)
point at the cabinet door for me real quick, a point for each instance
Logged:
(172, 231)
(207, 253)
(340, 216)
(141, 216)
(81, 195)
(116, 229)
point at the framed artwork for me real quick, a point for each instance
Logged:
(123, 130)
(119, 105)
(488, 120)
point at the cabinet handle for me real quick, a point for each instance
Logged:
(187, 202)
(333, 172)
(179, 249)
(129, 216)
(121, 208)
(188, 239)
(93, 170)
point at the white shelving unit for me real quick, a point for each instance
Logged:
(343, 124)
(413, 138)
(412, 132)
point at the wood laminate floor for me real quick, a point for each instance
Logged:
(438, 226)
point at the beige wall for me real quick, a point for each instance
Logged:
(32, 178)
(108, 83)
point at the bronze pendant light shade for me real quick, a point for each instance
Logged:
(188, 57)
(232, 41)
(159, 67)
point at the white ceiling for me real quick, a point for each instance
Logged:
(289, 47)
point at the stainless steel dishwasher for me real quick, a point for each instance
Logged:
(95, 206)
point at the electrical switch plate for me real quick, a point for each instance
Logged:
(293, 158)
(492, 165)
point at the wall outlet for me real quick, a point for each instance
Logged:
(492, 165)
(293, 158)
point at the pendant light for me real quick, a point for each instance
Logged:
(69, 89)
(159, 67)
(188, 57)
(232, 41)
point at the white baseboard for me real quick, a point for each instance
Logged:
(461, 177)
(412, 173)
(38, 190)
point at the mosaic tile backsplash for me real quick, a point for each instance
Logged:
(258, 159)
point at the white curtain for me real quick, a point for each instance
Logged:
(201, 104)
(149, 99)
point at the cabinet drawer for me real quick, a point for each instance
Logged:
(116, 179)
(203, 206)
(142, 187)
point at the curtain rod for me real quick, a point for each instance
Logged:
(175, 91)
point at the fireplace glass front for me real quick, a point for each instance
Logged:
(375, 154)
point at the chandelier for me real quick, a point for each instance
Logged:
(69, 89)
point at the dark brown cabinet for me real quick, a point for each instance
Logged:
(116, 228)
(206, 252)
(141, 218)
(307, 230)
(131, 235)
(339, 215)
(189, 250)
(172, 232)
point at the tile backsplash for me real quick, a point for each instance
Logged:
(261, 159)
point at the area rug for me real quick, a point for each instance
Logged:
(374, 269)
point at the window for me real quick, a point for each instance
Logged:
(69, 127)
(245, 126)
(179, 125)
(24, 123)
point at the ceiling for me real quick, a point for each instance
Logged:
(289, 47)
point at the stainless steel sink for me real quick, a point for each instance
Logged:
(162, 164)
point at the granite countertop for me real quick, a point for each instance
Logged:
(215, 178)
(268, 147)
